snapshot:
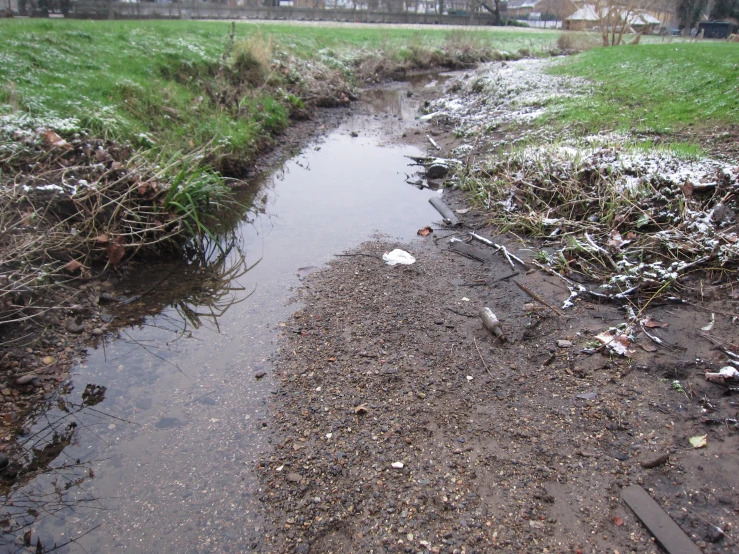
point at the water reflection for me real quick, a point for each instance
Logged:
(188, 361)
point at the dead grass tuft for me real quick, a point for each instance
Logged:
(572, 42)
(251, 59)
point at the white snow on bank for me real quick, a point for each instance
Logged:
(504, 92)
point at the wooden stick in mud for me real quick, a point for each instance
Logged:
(443, 209)
(538, 298)
(433, 142)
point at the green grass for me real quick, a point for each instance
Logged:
(145, 81)
(654, 87)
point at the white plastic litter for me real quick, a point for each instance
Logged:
(398, 256)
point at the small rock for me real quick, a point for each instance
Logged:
(4, 461)
(73, 327)
(24, 379)
(397, 465)
(97, 331)
(47, 360)
(168, 423)
(294, 477)
(354, 134)
(260, 374)
(656, 460)
(564, 343)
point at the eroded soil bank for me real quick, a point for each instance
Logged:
(404, 426)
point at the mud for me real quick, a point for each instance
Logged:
(197, 436)
(403, 425)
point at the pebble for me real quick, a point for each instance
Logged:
(564, 343)
(74, 327)
(397, 465)
(294, 477)
(24, 379)
(97, 331)
(47, 360)
(655, 460)
(260, 374)
(168, 423)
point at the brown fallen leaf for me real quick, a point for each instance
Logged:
(648, 347)
(618, 521)
(687, 188)
(72, 266)
(425, 231)
(615, 240)
(51, 138)
(115, 252)
(650, 323)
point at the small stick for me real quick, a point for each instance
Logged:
(507, 276)
(432, 141)
(538, 298)
(481, 358)
(510, 257)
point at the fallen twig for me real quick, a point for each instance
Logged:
(481, 358)
(538, 298)
(510, 257)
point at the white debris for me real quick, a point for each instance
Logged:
(398, 256)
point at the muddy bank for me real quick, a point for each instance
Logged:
(403, 425)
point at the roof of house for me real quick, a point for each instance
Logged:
(518, 4)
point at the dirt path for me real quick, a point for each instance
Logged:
(404, 426)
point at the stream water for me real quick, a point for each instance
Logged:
(161, 459)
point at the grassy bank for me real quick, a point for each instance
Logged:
(155, 83)
(115, 136)
(654, 87)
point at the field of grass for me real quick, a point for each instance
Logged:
(654, 87)
(147, 81)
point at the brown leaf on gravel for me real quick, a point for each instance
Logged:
(425, 231)
(618, 521)
(72, 266)
(650, 323)
(687, 189)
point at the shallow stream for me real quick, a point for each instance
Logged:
(161, 459)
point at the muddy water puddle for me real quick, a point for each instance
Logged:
(155, 439)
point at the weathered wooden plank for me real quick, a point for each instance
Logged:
(659, 523)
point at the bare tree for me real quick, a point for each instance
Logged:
(616, 17)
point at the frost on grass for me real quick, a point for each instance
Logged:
(631, 220)
(502, 93)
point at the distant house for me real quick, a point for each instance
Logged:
(549, 9)
(589, 16)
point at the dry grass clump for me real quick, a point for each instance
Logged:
(572, 42)
(84, 204)
(609, 218)
(251, 59)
